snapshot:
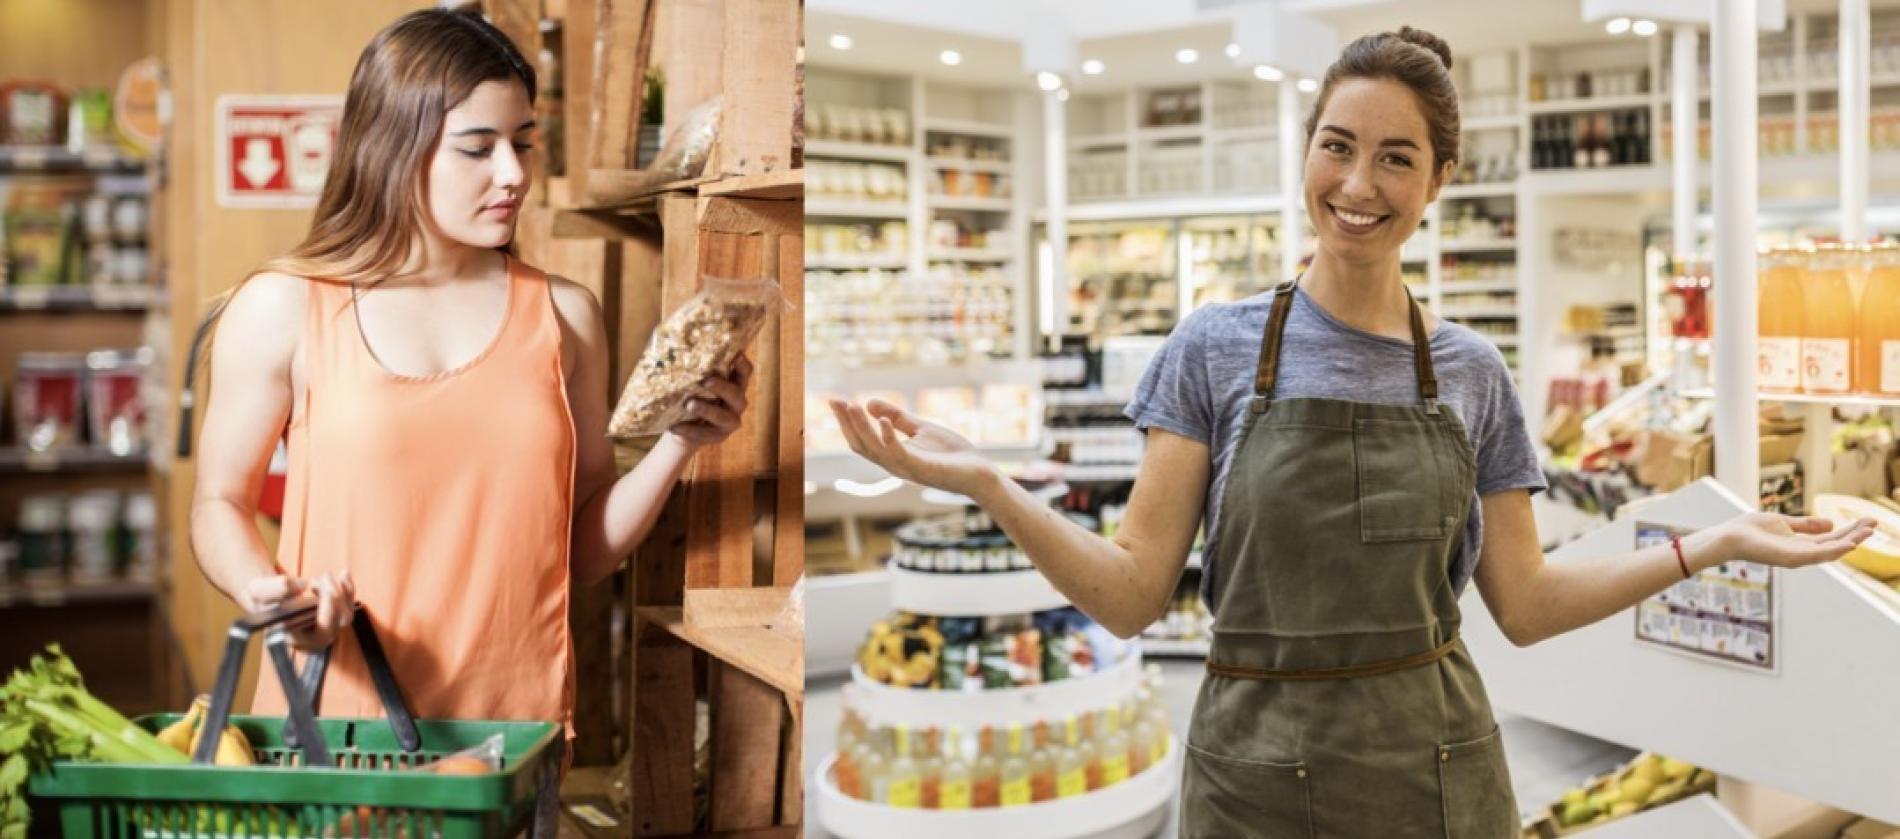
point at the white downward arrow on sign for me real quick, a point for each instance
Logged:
(259, 165)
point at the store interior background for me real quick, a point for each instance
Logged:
(712, 695)
(932, 281)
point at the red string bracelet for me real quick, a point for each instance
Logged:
(1683, 563)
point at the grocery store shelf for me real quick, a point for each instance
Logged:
(967, 165)
(953, 202)
(1133, 809)
(1833, 634)
(1493, 190)
(61, 594)
(1477, 246)
(846, 262)
(973, 595)
(1842, 399)
(774, 657)
(1590, 104)
(783, 185)
(1476, 286)
(971, 255)
(1093, 141)
(1165, 208)
(978, 708)
(77, 298)
(1492, 123)
(970, 128)
(16, 460)
(1171, 132)
(1477, 312)
(56, 159)
(857, 151)
(856, 209)
(1605, 180)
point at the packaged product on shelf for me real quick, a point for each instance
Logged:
(115, 402)
(89, 120)
(702, 338)
(36, 233)
(1023, 650)
(141, 536)
(93, 520)
(42, 529)
(31, 113)
(47, 400)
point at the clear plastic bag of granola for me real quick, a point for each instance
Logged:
(703, 337)
(686, 149)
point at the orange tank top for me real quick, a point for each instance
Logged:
(450, 501)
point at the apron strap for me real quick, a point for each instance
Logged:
(1357, 671)
(1267, 373)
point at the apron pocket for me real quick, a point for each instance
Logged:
(1230, 798)
(1474, 786)
(1400, 489)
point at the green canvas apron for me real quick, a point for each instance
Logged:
(1339, 701)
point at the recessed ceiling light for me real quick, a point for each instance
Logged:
(1309, 85)
(1233, 50)
(1092, 67)
(1618, 25)
(1267, 74)
(1644, 28)
(1187, 56)
(950, 57)
(1048, 81)
(840, 42)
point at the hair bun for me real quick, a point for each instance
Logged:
(1427, 40)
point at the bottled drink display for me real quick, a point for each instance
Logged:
(1828, 320)
(1879, 367)
(1590, 140)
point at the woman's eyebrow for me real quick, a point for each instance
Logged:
(1395, 141)
(485, 130)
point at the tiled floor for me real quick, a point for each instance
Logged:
(1544, 761)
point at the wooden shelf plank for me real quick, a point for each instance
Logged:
(774, 657)
(788, 184)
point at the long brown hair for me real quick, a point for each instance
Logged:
(409, 77)
(1412, 57)
(372, 209)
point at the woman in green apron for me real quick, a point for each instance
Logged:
(1357, 461)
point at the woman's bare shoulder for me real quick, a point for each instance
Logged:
(266, 313)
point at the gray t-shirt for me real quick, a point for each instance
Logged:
(1199, 383)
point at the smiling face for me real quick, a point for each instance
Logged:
(478, 176)
(1369, 171)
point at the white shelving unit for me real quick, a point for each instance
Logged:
(1133, 809)
(972, 595)
(1801, 730)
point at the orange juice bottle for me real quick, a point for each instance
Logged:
(1827, 341)
(1780, 322)
(1880, 323)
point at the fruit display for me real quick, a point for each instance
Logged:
(1879, 556)
(1650, 780)
(1003, 766)
(989, 653)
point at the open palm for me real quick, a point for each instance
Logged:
(910, 447)
(1795, 541)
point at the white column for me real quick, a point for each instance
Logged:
(1854, 106)
(1733, 186)
(1055, 182)
(1683, 119)
(1292, 144)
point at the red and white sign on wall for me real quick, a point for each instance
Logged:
(273, 151)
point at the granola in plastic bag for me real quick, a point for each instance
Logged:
(702, 338)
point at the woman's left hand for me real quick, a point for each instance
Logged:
(715, 410)
(1791, 541)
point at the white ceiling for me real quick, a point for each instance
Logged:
(905, 36)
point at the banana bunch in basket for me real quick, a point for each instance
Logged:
(185, 735)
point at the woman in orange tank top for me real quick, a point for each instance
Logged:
(444, 404)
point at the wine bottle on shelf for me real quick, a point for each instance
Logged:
(1540, 142)
(1042, 765)
(1639, 125)
(930, 770)
(985, 784)
(905, 787)
(1600, 154)
(1579, 142)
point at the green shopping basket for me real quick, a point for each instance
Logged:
(314, 777)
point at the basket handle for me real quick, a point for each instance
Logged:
(302, 694)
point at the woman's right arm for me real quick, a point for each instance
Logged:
(250, 401)
(1125, 583)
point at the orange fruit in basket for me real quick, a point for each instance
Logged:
(461, 766)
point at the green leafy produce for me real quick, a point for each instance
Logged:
(46, 714)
